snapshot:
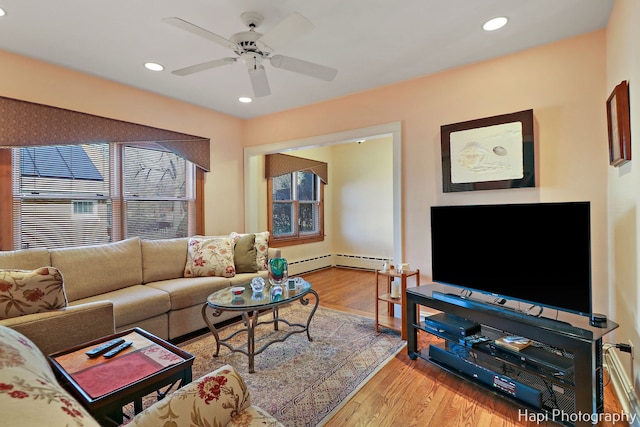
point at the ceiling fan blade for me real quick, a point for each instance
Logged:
(204, 66)
(259, 81)
(194, 29)
(304, 67)
(288, 29)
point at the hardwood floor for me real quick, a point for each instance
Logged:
(409, 392)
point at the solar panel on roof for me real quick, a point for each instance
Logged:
(64, 161)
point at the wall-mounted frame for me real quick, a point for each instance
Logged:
(618, 123)
(488, 154)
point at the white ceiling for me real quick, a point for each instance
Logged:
(371, 42)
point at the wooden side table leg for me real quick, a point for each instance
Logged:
(391, 307)
(375, 295)
(403, 304)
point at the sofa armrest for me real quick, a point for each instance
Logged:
(57, 330)
(220, 398)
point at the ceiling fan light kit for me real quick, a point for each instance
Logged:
(253, 48)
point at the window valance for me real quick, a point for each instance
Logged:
(24, 123)
(280, 164)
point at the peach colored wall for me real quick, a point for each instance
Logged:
(623, 63)
(562, 82)
(35, 81)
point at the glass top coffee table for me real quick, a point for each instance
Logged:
(251, 304)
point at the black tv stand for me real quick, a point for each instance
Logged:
(560, 375)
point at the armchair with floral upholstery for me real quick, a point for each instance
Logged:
(220, 398)
(30, 395)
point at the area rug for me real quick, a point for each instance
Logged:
(302, 383)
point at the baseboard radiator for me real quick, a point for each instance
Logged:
(310, 264)
(622, 385)
(361, 262)
(340, 260)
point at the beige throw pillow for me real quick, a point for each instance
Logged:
(244, 254)
(210, 256)
(26, 292)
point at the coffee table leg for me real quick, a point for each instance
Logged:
(305, 301)
(275, 318)
(212, 328)
(251, 322)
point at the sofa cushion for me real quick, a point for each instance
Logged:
(29, 393)
(133, 303)
(244, 254)
(96, 269)
(210, 256)
(187, 292)
(25, 259)
(30, 291)
(163, 259)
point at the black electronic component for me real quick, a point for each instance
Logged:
(540, 359)
(491, 378)
(103, 348)
(451, 324)
(118, 349)
(475, 340)
(598, 320)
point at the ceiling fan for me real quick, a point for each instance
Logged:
(253, 48)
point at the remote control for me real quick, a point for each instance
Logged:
(118, 349)
(97, 351)
(513, 338)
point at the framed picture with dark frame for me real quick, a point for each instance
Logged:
(488, 154)
(618, 124)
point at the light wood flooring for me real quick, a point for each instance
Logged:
(409, 392)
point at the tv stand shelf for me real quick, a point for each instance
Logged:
(560, 374)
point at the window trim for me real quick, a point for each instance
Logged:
(298, 239)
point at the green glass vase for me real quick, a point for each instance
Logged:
(278, 271)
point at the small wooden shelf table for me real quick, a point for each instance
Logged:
(389, 320)
(104, 385)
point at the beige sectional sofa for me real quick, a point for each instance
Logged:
(141, 281)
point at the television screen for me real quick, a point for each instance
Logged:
(538, 253)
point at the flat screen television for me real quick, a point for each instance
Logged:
(537, 253)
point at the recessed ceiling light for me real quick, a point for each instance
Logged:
(245, 99)
(495, 23)
(2, 12)
(153, 66)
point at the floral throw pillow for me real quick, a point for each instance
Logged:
(30, 291)
(262, 247)
(210, 256)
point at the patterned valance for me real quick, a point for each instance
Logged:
(280, 164)
(24, 123)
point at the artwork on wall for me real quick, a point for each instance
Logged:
(488, 154)
(618, 121)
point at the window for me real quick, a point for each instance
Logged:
(83, 207)
(74, 195)
(296, 208)
(157, 193)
